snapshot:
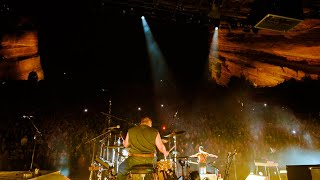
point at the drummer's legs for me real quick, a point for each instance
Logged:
(123, 170)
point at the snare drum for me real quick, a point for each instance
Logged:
(164, 164)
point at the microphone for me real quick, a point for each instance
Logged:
(115, 127)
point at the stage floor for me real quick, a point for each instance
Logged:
(43, 174)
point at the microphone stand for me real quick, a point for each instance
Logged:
(35, 140)
(175, 153)
(98, 136)
(230, 158)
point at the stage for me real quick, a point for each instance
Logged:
(43, 175)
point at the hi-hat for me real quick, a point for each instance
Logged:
(174, 133)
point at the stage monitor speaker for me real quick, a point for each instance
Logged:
(276, 15)
(315, 173)
(43, 175)
(256, 177)
(52, 176)
(208, 177)
(298, 172)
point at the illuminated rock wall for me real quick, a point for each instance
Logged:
(19, 56)
(267, 58)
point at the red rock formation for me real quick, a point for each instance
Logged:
(267, 58)
(20, 56)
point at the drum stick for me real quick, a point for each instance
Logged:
(172, 148)
(170, 151)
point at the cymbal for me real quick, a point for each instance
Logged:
(114, 147)
(174, 133)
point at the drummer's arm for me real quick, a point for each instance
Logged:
(161, 146)
(212, 155)
(126, 141)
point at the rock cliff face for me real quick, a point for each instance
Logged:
(266, 58)
(19, 56)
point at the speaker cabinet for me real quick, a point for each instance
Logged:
(315, 173)
(276, 15)
(305, 172)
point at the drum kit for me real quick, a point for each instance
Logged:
(169, 167)
(111, 153)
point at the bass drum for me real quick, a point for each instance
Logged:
(165, 170)
(166, 175)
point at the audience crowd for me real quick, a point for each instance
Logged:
(248, 134)
(65, 143)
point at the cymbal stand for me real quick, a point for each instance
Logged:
(175, 153)
(114, 152)
(109, 135)
(184, 165)
(117, 155)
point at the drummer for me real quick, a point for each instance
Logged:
(143, 141)
(202, 159)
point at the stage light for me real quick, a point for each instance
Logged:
(216, 23)
(142, 17)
